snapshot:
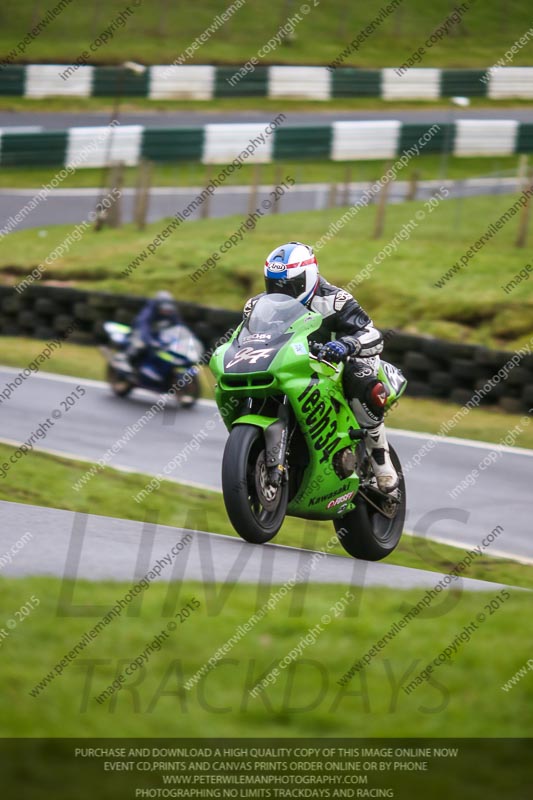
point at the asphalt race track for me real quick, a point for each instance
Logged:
(70, 206)
(501, 496)
(168, 119)
(102, 548)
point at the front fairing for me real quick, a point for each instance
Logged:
(267, 352)
(273, 321)
(118, 334)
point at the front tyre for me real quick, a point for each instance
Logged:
(368, 534)
(255, 508)
(187, 395)
(120, 386)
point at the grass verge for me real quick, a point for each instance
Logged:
(401, 291)
(320, 33)
(306, 699)
(428, 167)
(240, 105)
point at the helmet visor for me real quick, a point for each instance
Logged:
(166, 309)
(293, 287)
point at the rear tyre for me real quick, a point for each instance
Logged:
(120, 386)
(255, 508)
(367, 533)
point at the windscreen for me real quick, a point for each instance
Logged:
(273, 314)
(179, 339)
(175, 332)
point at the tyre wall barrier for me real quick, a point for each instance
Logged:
(435, 368)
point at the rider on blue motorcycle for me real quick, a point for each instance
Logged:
(292, 269)
(158, 313)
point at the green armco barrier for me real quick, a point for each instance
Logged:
(265, 142)
(204, 82)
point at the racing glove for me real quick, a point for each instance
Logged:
(336, 351)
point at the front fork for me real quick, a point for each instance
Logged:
(276, 441)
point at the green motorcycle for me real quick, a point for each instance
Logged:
(295, 447)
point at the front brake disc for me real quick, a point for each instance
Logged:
(267, 494)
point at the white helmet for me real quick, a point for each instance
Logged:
(292, 269)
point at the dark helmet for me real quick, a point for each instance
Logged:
(165, 304)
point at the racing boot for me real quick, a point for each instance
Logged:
(378, 451)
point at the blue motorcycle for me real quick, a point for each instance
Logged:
(169, 365)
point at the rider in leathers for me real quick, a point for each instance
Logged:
(292, 269)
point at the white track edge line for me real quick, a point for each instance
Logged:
(468, 545)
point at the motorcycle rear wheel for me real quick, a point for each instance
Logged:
(366, 533)
(256, 509)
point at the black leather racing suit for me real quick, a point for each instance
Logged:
(344, 319)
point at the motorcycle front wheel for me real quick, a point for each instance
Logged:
(368, 534)
(188, 394)
(118, 384)
(255, 508)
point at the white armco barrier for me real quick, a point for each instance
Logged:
(481, 137)
(97, 147)
(354, 141)
(313, 83)
(44, 80)
(413, 84)
(223, 143)
(507, 82)
(182, 82)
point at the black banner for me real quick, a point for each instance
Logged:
(116, 769)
